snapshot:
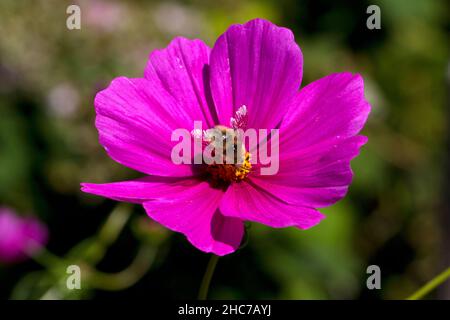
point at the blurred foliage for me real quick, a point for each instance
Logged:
(48, 145)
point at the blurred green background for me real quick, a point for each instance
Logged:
(396, 213)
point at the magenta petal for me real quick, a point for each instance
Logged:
(181, 69)
(257, 64)
(194, 212)
(318, 141)
(317, 176)
(135, 120)
(329, 108)
(324, 164)
(140, 190)
(315, 197)
(249, 202)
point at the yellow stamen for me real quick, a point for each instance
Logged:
(228, 173)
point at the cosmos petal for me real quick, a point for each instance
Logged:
(247, 201)
(259, 65)
(182, 71)
(331, 107)
(317, 176)
(142, 189)
(194, 212)
(318, 140)
(135, 121)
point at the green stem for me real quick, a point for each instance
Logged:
(114, 225)
(430, 285)
(92, 250)
(203, 292)
(42, 256)
(125, 278)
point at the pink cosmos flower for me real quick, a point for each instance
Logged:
(257, 65)
(19, 236)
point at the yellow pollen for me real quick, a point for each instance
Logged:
(228, 173)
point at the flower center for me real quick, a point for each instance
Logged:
(227, 173)
(235, 161)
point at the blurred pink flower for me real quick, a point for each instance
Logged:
(106, 16)
(252, 75)
(19, 236)
(63, 100)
